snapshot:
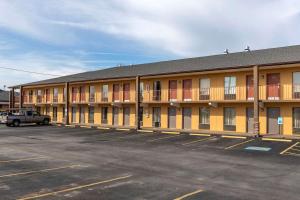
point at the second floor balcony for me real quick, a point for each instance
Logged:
(230, 93)
(204, 94)
(156, 95)
(55, 99)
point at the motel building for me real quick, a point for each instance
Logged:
(235, 93)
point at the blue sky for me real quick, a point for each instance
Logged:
(62, 37)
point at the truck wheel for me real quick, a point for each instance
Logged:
(46, 122)
(16, 123)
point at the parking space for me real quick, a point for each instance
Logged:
(293, 150)
(40, 162)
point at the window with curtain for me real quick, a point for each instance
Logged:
(204, 115)
(54, 114)
(229, 118)
(296, 85)
(296, 120)
(229, 84)
(204, 88)
(156, 117)
(92, 94)
(55, 94)
(156, 90)
(74, 114)
(105, 92)
(104, 113)
(91, 115)
(141, 91)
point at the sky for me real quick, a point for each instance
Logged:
(60, 37)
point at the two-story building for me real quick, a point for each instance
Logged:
(244, 92)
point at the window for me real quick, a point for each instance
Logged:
(82, 93)
(29, 113)
(54, 114)
(64, 94)
(38, 109)
(141, 113)
(81, 115)
(104, 92)
(204, 88)
(30, 96)
(187, 90)
(104, 114)
(172, 90)
(296, 85)
(73, 114)
(126, 91)
(116, 92)
(55, 95)
(141, 91)
(91, 115)
(63, 113)
(204, 118)
(229, 119)
(92, 94)
(156, 117)
(47, 95)
(229, 87)
(39, 96)
(74, 94)
(25, 96)
(47, 110)
(296, 120)
(156, 90)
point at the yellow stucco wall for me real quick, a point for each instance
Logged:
(216, 94)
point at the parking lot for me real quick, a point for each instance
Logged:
(50, 162)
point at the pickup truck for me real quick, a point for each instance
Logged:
(15, 119)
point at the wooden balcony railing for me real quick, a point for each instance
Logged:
(156, 95)
(296, 91)
(204, 94)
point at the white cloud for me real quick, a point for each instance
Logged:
(35, 62)
(180, 27)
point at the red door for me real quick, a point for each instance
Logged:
(250, 88)
(126, 92)
(173, 90)
(187, 89)
(47, 95)
(116, 89)
(273, 89)
(74, 94)
(82, 94)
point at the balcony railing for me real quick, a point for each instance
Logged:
(173, 94)
(91, 99)
(204, 93)
(156, 95)
(104, 99)
(82, 98)
(273, 92)
(30, 99)
(39, 99)
(230, 93)
(55, 99)
(296, 91)
(126, 96)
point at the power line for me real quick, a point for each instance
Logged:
(26, 71)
